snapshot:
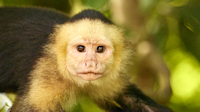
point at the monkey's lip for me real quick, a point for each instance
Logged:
(89, 76)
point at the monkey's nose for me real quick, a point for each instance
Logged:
(90, 64)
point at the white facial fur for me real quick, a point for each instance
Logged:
(101, 67)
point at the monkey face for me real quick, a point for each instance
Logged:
(86, 50)
(88, 58)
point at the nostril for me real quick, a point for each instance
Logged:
(96, 65)
(90, 64)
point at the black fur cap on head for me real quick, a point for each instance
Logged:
(90, 14)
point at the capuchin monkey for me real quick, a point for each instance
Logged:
(51, 61)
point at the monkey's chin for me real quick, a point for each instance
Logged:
(89, 76)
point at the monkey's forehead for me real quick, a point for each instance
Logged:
(88, 28)
(90, 14)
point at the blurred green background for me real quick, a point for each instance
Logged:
(165, 35)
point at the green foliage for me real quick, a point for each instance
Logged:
(94, 4)
(86, 105)
(62, 5)
(178, 38)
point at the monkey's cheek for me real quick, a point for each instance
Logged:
(90, 76)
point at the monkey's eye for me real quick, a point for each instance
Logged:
(81, 48)
(100, 49)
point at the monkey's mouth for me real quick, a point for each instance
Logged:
(89, 76)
